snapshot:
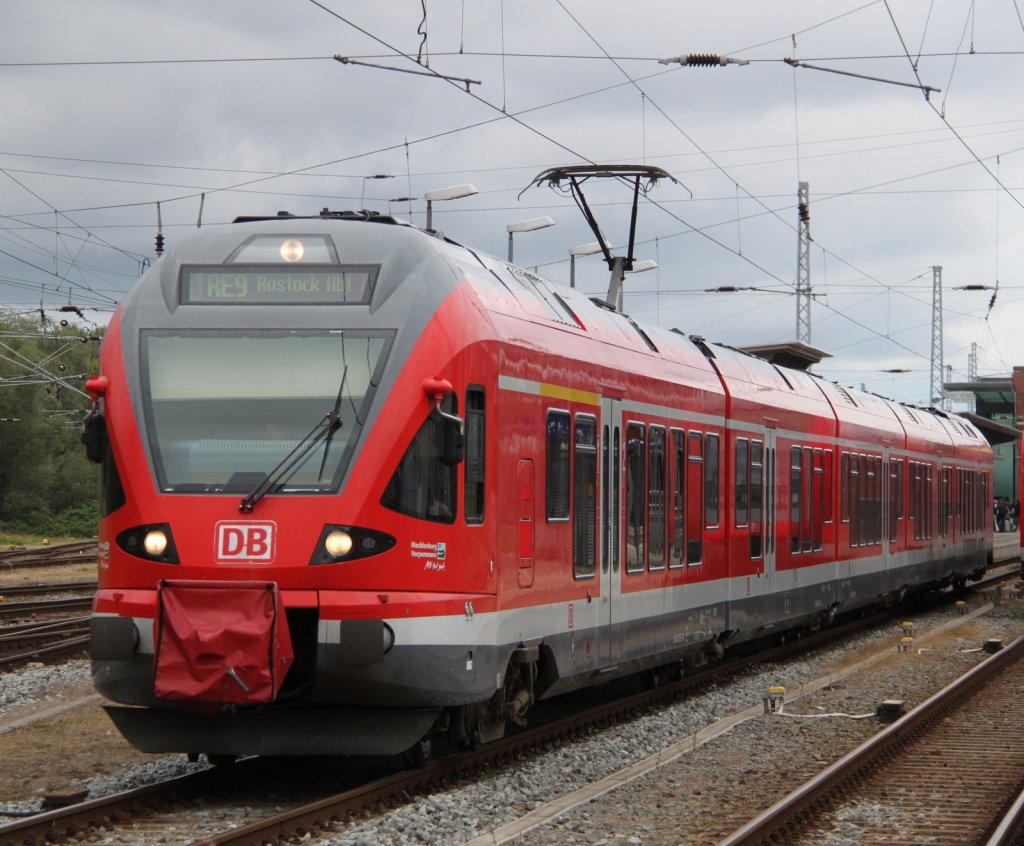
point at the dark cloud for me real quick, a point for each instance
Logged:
(893, 189)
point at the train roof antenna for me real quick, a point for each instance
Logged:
(570, 179)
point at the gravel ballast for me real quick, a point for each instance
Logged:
(699, 798)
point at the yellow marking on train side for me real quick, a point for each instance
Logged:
(569, 394)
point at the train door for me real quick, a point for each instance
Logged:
(886, 518)
(770, 504)
(610, 646)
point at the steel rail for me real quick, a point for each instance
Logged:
(46, 587)
(66, 645)
(766, 828)
(9, 610)
(1010, 828)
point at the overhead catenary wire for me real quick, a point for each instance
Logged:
(737, 216)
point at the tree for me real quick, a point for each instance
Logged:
(44, 475)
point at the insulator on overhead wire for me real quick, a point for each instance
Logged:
(805, 213)
(704, 60)
(159, 243)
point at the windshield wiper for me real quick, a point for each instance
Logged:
(337, 413)
(324, 430)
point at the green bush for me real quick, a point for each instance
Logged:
(80, 521)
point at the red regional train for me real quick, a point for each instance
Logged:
(362, 486)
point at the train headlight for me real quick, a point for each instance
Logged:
(292, 250)
(152, 542)
(338, 543)
(155, 543)
(285, 249)
(341, 544)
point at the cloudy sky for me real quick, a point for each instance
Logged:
(214, 109)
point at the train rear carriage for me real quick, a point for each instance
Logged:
(939, 500)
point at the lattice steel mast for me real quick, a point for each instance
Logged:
(803, 266)
(937, 393)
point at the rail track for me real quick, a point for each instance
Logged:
(34, 609)
(43, 629)
(23, 558)
(164, 806)
(20, 644)
(943, 774)
(47, 588)
(159, 808)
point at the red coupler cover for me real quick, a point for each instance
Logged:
(222, 642)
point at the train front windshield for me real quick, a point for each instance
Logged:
(224, 410)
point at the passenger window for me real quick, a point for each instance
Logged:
(742, 480)
(795, 495)
(557, 465)
(677, 549)
(656, 498)
(475, 443)
(711, 481)
(695, 495)
(756, 498)
(584, 509)
(636, 491)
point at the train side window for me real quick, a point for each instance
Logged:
(474, 465)
(818, 503)
(656, 498)
(962, 521)
(945, 501)
(863, 497)
(872, 493)
(694, 497)
(677, 549)
(636, 490)
(423, 485)
(929, 501)
(605, 505)
(962, 494)
(711, 481)
(893, 498)
(900, 495)
(914, 480)
(795, 493)
(844, 487)
(756, 498)
(584, 506)
(807, 518)
(856, 511)
(827, 514)
(557, 466)
(742, 483)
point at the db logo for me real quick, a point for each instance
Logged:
(249, 541)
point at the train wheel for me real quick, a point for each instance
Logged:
(419, 753)
(479, 723)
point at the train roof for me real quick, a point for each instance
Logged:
(431, 265)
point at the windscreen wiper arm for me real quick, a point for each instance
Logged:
(337, 413)
(325, 429)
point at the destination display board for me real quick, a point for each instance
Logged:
(277, 285)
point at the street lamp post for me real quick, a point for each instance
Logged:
(530, 225)
(582, 250)
(454, 192)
